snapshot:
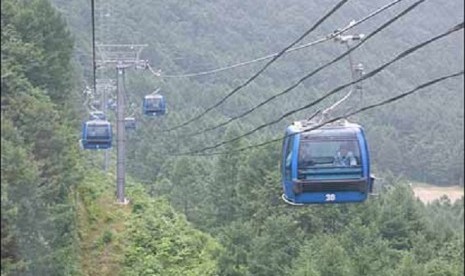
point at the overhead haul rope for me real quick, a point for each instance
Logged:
(88, 91)
(366, 76)
(94, 66)
(312, 73)
(361, 110)
(334, 9)
(328, 37)
(241, 64)
(385, 25)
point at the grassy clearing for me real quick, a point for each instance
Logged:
(427, 192)
(101, 224)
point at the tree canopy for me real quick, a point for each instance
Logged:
(222, 214)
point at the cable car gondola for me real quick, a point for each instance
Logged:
(130, 123)
(111, 104)
(330, 164)
(154, 105)
(96, 134)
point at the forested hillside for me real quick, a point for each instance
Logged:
(40, 164)
(58, 214)
(195, 36)
(223, 214)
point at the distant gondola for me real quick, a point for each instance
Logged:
(111, 104)
(154, 105)
(130, 123)
(330, 164)
(96, 134)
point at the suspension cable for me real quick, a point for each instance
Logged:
(383, 26)
(328, 37)
(241, 64)
(320, 21)
(368, 75)
(94, 66)
(361, 110)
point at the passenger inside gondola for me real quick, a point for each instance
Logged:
(98, 131)
(92, 132)
(326, 165)
(345, 156)
(154, 104)
(305, 155)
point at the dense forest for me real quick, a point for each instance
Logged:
(223, 214)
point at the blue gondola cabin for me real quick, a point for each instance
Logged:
(96, 134)
(111, 104)
(330, 164)
(154, 105)
(130, 123)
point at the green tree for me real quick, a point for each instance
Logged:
(322, 255)
(225, 184)
(162, 242)
(41, 159)
(408, 267)
(274, 247)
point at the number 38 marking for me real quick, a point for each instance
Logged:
(330, 197)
